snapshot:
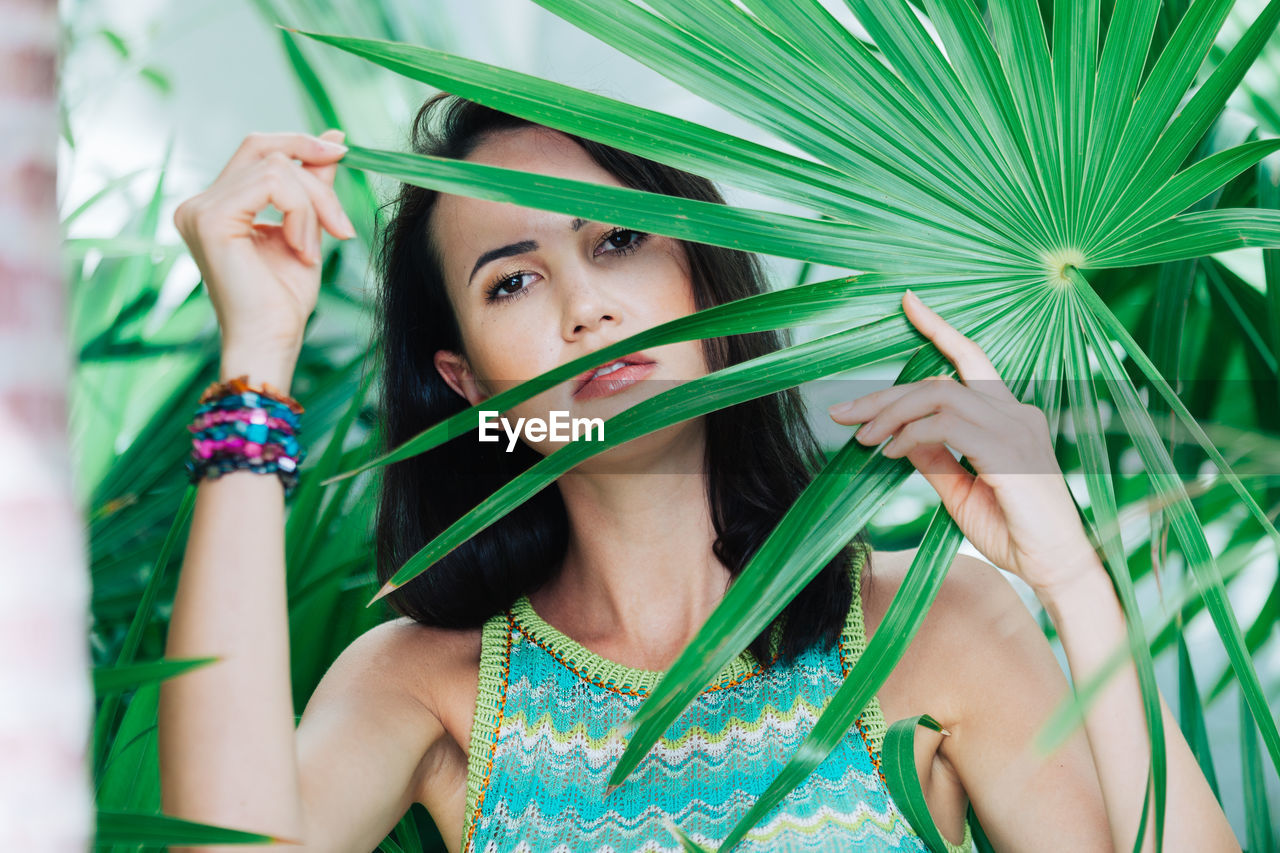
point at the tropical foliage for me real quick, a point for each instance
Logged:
(1055, 179)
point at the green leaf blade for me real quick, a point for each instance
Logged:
(1176, 142)
(834, 243)
(126, 828)
(904, 782)
(120, 678)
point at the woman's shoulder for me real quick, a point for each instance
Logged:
(975, 606)
(973, 588)
(430, 662)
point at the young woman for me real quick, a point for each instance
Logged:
(498, 701)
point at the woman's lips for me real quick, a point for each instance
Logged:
(612, 383)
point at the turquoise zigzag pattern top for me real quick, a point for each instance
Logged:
(549, 725)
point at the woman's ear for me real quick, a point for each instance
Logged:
(456, 371)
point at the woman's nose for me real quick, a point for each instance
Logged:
(587, 304)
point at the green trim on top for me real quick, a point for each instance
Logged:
(606, 673)
(853, 642)
(491, 695)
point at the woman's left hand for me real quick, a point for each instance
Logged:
(1017, 512)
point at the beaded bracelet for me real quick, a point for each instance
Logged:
(240, 384)
(224, 408)
(240, 427)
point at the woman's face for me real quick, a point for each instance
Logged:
(533, 290)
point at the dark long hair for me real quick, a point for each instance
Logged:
(760, 454)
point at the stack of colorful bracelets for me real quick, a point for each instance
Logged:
(237, 426)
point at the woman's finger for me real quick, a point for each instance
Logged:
(941, 470)
(276, 181)
(970, 361)
(282, 174)
(979, 446)
(328, 207)
(926, 398)
(325, 173)
(297, 146)
(862, 409)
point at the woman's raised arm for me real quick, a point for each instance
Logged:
(229, 752)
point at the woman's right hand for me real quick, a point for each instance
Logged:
(263, 278)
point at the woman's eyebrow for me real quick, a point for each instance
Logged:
(502, 252)
(513, 249)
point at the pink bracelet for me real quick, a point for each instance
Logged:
(206, 448)
(223, 416)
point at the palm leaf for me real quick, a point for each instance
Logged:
(1187, 528)
(820, 241)
(1064, 719)
(107, 715)
(1191, 715)
(902, 618)
(904, 783)
(1258, 825)
(118, 678)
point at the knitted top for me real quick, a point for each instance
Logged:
(548, 730)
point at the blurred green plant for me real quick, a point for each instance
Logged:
(141, 366)
(990, 179)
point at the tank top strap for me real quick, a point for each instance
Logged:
(491, 697)
(853, 642)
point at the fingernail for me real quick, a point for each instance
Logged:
(334, 146)
(841, 408)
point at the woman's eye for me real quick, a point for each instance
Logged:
(508, 287)
(623, 240)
